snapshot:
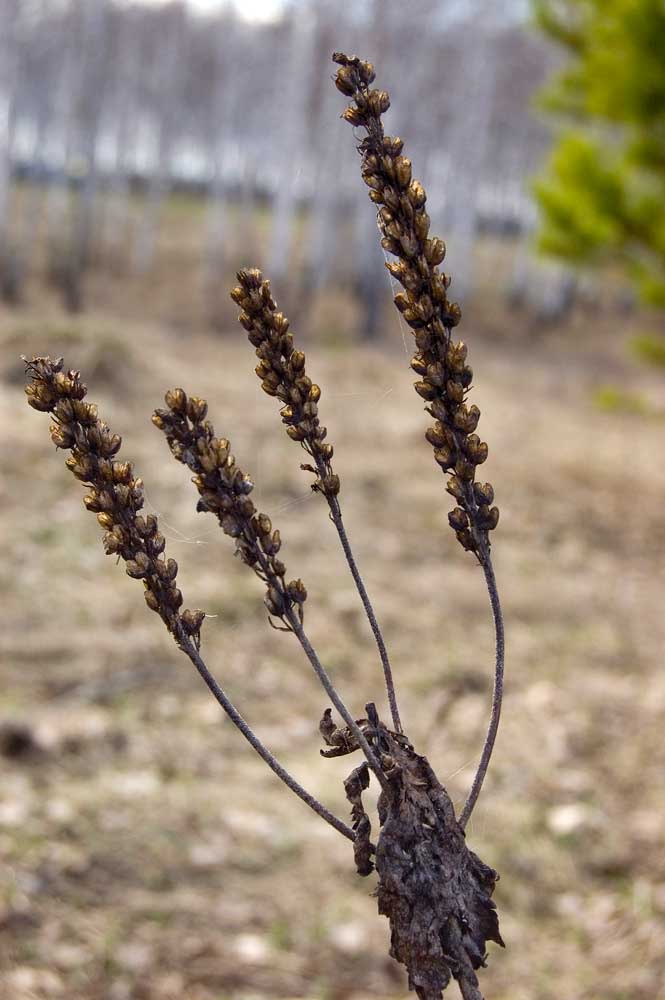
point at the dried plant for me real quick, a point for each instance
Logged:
(435, 892)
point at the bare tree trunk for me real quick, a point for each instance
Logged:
(116, 222)
(291, 101)
(469, 139)
(227, 91)
(10, 279)
(169, 72)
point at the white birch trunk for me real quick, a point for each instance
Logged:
(289, 139)
(467, 145)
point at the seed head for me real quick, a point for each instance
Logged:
(224, 490)
(439, 361)
(115, 495)
(282, 371)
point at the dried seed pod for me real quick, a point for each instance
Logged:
(115, 496)
(176, 399)
(483, 492)
(458, 519)
(192, 621)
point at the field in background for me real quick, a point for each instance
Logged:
(145, 853)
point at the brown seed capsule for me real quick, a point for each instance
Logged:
(483, 492)
(91, 502)
(492, 518)
(331, 485)
(425, 390)
(464, 469)
(379, 101)
(403, 172)
(366, 72)
(458, 519)
(477, 450)
(456, 356)
(455, 487)
(354, 116)
(444, 456)
(274, 601)
(122, 472)
(111, 544)
(436, 374)
(421, 225)
(62, 437)
(151, 600)
(176, 400)
(454, 314)
(466, 540)
(454, 391)
(297, 591)
(297, 361)
(263, 524)
(345, 81)
(192, 621)
(409, 244)
(196, 409)
(416, 194)
(133, 569)
(435, 436)
(435, 251)
(171, 570)
(466, 419)
(157, 544)
(374, 181)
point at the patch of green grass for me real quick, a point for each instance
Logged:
(649, 348)
(612, 399)
(280, 935)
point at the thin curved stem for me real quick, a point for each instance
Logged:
(497, 693)
(189, 649)
(330, 690)
(336, 514)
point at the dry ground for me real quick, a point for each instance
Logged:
(147, 854)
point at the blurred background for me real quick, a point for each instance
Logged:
(147, 151)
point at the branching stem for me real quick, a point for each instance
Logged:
(336, 514)
(330, 690)
(189, 649)
(497, 693)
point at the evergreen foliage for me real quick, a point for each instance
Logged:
(602, 195)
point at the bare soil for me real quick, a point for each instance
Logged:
(147, 854)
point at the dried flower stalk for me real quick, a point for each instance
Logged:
(224, 490)
(282, 371)
(439, 361)
(435, 892)
(116, 496)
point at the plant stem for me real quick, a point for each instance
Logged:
(236, 718)
(497, 693)
(329, 687)
(469, 990)
(336, 514)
